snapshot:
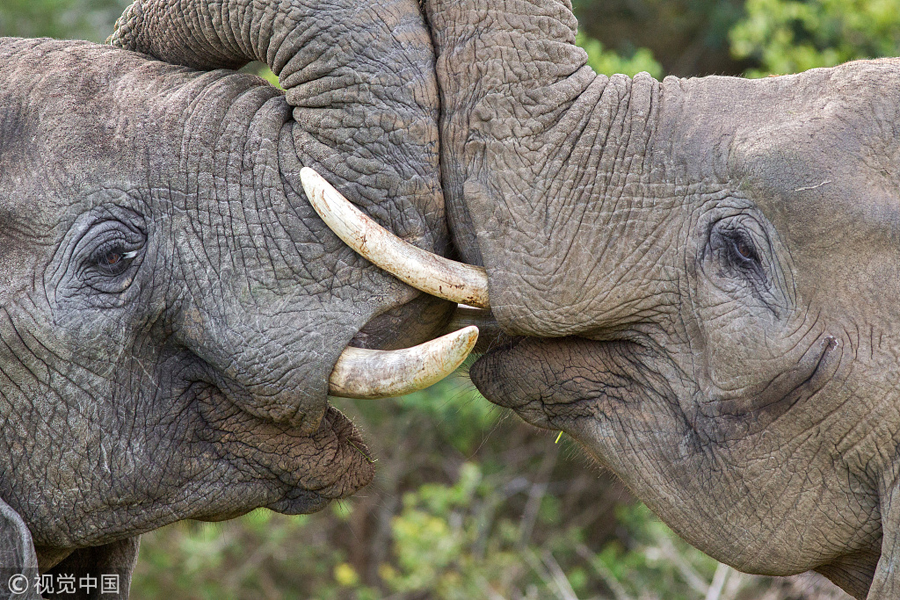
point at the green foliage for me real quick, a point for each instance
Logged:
(656, 560)
(688, 37)
(446, 541)
(262, 555)
(610, 63)
(66, 19)
(788, 36)
(261, 69)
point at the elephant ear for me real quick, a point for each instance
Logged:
(359, 77)
(17, 555)
(115, 560)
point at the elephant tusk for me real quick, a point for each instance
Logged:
(423, 270)
(361, 373)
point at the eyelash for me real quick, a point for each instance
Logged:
(112, 259)
(742, 248)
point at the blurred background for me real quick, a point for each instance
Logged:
(469, 502)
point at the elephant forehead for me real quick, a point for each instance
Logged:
(818, 153)
(77, 117)
(832, 165)
(62, 127)
(831, 198)
(787, 135)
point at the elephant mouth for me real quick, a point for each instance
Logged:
(324, 457)
(304, 470)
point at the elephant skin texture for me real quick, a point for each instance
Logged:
(702, 273)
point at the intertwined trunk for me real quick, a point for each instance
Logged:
(543, 165)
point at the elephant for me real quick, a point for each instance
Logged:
(703, 274)
(173, 314)
(698, 279)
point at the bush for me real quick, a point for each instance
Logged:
(788, 36)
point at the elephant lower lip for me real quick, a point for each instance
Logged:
(356, 464)
(301, 470)
(513, 375)
(352, 467)
(300, 503)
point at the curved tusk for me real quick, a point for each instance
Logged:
(361, 373)
(423, 270)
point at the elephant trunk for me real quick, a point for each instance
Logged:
(544, 166)
(360, 79)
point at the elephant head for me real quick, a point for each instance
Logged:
(703, 274)
(171, 308)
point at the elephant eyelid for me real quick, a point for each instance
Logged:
(110, 261)
(738, 250)
(742, 247)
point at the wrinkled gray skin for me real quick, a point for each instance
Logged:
(710, 272)
(170, 305)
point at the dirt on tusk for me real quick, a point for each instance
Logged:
(423, 270)
(361, 373)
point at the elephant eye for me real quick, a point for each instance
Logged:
(743, 248)
(739, 260)
(114, 258)
(738, 252)
(104, 259)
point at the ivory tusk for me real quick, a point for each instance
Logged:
(361, 373)
(423, 270)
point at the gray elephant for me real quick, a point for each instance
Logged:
(704, 276)
(171, 308)
(707, 271)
